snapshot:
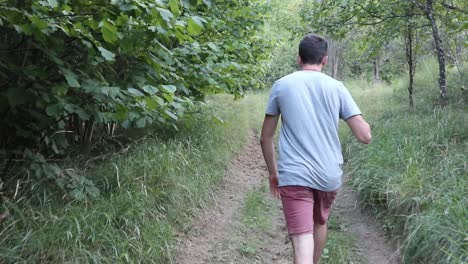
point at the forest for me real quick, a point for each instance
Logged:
(119, 120)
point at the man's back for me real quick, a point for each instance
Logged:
(309, 173)
(310, 104)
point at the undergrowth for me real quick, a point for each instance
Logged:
(414, 173)
(147, 194)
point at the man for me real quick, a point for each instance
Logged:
(309, 172)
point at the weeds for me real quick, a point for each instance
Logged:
(415, 173)
(147, 194)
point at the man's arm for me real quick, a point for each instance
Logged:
(266, 141)
(360, 128)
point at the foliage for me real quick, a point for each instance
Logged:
(72, 71)
(414, 172)
(280, 28)
(148, 194)
(374, 26)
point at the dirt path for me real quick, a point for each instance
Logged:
(209, 240)
(214, 225)
(370, 239)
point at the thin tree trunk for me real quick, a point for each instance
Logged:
(376, 70)
(410, 54)
(335, 65)
(410, 59)
(440, 52)
(334, 53)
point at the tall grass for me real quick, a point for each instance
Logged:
(415, 172)
(148, 194)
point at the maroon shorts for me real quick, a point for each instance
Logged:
(303, 207)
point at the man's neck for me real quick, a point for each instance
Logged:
(312, 67)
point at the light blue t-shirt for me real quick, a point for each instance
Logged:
(310, 104)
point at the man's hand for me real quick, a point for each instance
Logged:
(268, 149)
(274, 190)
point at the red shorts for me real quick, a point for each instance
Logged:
(303, 207)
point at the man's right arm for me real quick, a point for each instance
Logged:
(360, 128)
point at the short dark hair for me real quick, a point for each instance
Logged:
(312, 49)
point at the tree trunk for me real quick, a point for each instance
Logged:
(459, 42)
(335, 66)
(440, 52)
(334, 53)
(376, 70)
(410, 59)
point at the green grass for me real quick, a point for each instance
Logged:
(341, 248)
(414, 174)
(147, 195)
(257, 214)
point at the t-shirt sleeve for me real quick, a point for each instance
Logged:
(348, 107)
(273, 107)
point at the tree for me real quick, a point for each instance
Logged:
(383, 20)
(73, 67)
(429, 11)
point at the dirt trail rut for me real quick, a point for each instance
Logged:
(207, 240)
(370, 239)
(213, 226)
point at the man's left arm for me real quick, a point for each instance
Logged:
(267, 142)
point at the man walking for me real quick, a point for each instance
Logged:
(308, 173)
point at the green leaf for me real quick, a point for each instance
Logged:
(109, 32)
(54, 110)
(71, 78)
(213, 46)
(60, 89)
(110, 91)
(165, 14)
(92, 190)
(209, 3)
(109, 56)
(174, 6)
(188, 3)
(135, 92)
(150, 103)
(52, 3)
(149, 89)
(127, 7)
(218, 120)
(465, 26)
(74, 109)
(140, 123)
(171, 114)
(195, 25)
(39, 23)
(49, 3)
(168, 97)
(168, 88)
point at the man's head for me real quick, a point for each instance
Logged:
(313, 50)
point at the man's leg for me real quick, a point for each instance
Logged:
(320, 238)
(303, 245)
(323, 203)
(298, 207)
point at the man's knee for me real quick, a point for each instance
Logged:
(303, 245)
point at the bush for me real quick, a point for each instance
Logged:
(72, 71)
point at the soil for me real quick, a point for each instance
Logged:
(364, 228)
(207, 241)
